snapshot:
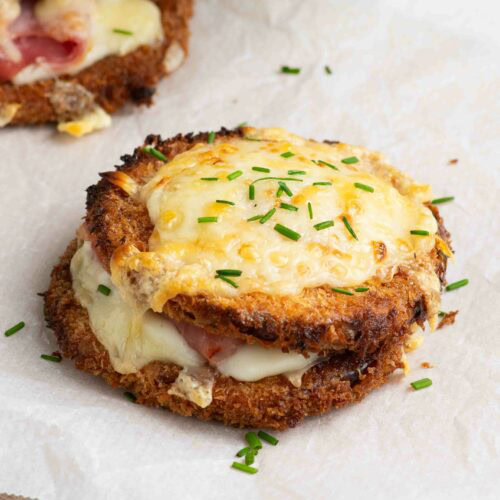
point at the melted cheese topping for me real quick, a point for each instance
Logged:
(90, 122)
(157, 339)
(184, 254)
(142, 18)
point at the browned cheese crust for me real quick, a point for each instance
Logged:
(272, 402)
(316, 320)
(112, 81)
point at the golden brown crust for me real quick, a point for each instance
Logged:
(272, 402)
(114, 80)
(316, 320)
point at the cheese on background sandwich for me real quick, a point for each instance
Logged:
(249, 276)
(75, 61)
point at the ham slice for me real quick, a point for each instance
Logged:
(33, 43)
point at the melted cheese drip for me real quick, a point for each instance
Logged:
(88, 123)
(184, 254)
(140, 17)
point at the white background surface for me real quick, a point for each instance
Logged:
(417, 80)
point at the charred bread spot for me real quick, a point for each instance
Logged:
(142, 95)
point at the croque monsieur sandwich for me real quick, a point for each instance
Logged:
(74, 61)
(249, 276)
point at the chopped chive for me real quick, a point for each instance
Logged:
(297, 172)
(328, 71)
(228, 272)
(242, 124)
(267, 216)
(457, 284)
(285, 231)
(289, 70)
(310, 209)
(251, 192)
(225, 202)
(154, 152)
(279, 192)
(49, 357)
(261, 169)
(253, 440)
(227, 280)
(130, 396)
(202, 220)
(209, 178)
(267, 437)
(278, 179)
(234, 175)
(122, 32)
(288, 154)
(348, 227)
(442, 314)
(15, 329)
(445, 199)
(421, 384)
(244, 468)
(285, 188)
(364, 187)
(341, 290)
(419, 232)
(211, 137)
(322, 183)
(255, 217)
(250, 457)
(253, 139)
(323, 225)
(243, 451)
(286, 206)
(350, 160)
(104, 290)
(327, 164)
(361, 290)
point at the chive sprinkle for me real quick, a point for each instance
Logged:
(421, 384)
(211, 137)
(267, 216)
(228, 272)
(348, 227)
(445, 199)
(441, 314)
(243, 451)
(251, 192)
(310, 209)
(104, 289)
(285, 188)
(154, 152)
(327, 164)
(289, 70)
(279, 192)
(322, 183)
(242, 124)
(286, 206)
(255, 217)
(227, 280)
(209, 178)
(234, 175)
(364, 187)
(350, 160)
(361, 290)
(457, 284)
(285, 231)
(323, 225)
(250, 457)
(261, 169)
(278, 179)
(287, 154)
(419, 232)
(225, 202)
(341, 290)
(48, 357)
(267, 437)
(328, 71)
(297, 172)
(122, 32)
(253, 139)
(130, 396)
(202, 220)
(244, 468)
(253, 440)
(15, 329)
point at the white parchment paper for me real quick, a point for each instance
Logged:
(417, 80)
